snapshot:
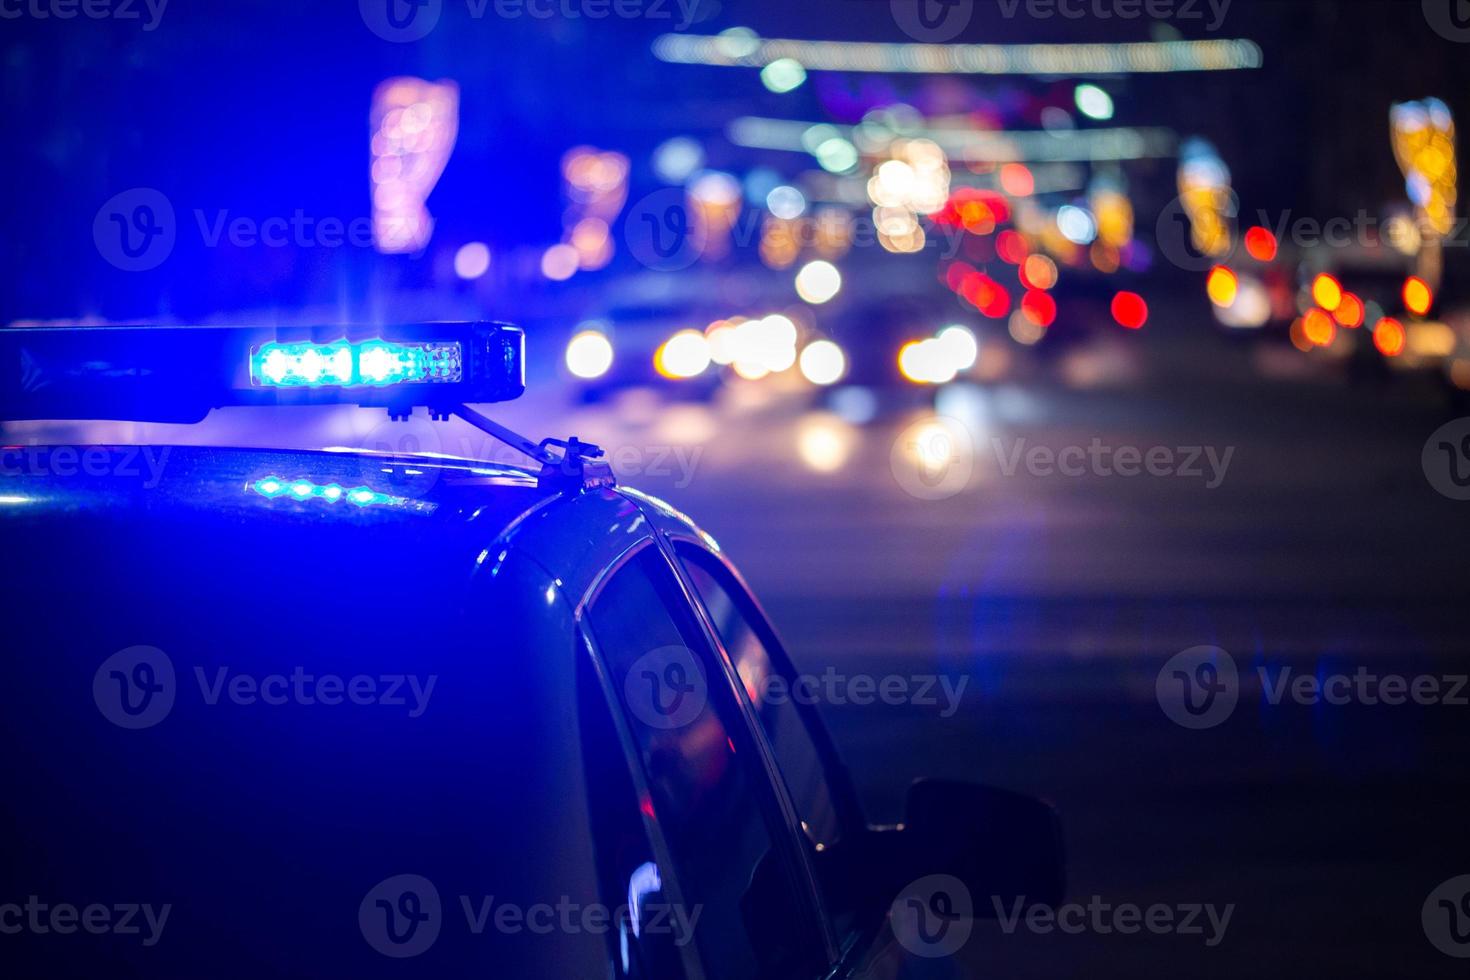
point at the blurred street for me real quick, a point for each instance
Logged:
(1323, 549)
(1313, 542)
(1100, 368)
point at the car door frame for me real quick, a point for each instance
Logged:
(581, 561)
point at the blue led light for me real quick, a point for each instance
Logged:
(372, 363)
(333, 493)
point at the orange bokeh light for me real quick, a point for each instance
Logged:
(1038, 272)
(1318, 327)
(1418, 297)
(1350, 311)
(1388, 337)
(1222, 285)
(1327, 292)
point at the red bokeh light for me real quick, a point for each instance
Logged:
(1039, 307)
(1130, 310)
(1010, 245)
(1261, 244)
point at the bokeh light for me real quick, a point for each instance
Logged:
(1388, 337)
(1130, 310)
(1418, 297)
(472, 260)
(1318, 327)
(589, 354)
(823, 363)
(560, 262)
(817, 282)
(684, 355)
(1327, 292)
(1261, 244)
(1222, 285)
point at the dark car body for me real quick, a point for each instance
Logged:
(279, 712)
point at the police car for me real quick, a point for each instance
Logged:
(283, 713)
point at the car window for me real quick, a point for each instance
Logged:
(769, 683)
(629, 876)
(706, 779)
(809, 766)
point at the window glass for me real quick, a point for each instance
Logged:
(707, 781)
(774, 693)
(629, 878)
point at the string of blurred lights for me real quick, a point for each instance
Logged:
(743, 48)
(414, 126)
(1424, 145)
(1078, 146)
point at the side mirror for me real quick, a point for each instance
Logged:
(1004, 846)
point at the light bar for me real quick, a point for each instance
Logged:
(1067, 60)
(178, 374)
(344, 365)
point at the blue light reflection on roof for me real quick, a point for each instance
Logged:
(301, 489)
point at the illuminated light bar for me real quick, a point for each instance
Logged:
(178, 374)
(1144, 57)
(273, 487)
(344, 365)
(1123, 143)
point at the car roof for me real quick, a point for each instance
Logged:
(465, 573)
(411, 490)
